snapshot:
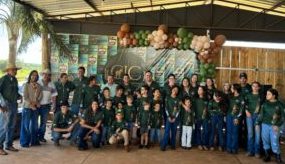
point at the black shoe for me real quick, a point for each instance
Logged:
(278, 158)
(11, 148)
(188, 148)
(146, 146)
(42, 140)
(267, 156)
(173, 147)
(140, 146)
(162, 149)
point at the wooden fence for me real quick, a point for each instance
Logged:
(266, 66)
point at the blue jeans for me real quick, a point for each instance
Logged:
(202, 136)
(155, 135)
(217, 124)
(29, 127)
(94, 137)
(232, 134)
(43, 113)
(75, 108)
(74, 134)
(173, 127)
(7, 124)
(253, 135)
(106, 134)
(270, 138)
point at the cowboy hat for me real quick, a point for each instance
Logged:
(46, 71)
(11, 66)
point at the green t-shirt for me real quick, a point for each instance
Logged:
(139, 103)
(117, 100)
(130, 89)
(172, 107)
(63, 120)
(187, 117)
(92, 118)
(79, 84)
(144, 118)
(200, 104)
(108, 116)
(152, 86)
(130, 113)
(272, 113)
(90, 94)
(214, 109)
(118, 126)
(253, 103)
(236, 106)
(63, 91)
(246, 90)
(156, 119)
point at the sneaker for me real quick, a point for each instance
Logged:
(248, 154)
(140, 146)
(43, 140)
(3, 152)
(220, 149)
(127, 148)
(205, 148)
(11, 148)
(257, 156)
(200, 148)
(212, 148)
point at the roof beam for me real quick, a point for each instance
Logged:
(32, 7)
(92, 5)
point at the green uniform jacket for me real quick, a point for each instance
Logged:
(9, 89)
(214, 109)
(139, 103)
(201, 104)
(108, 117)
(253, 103)
(117, 127)
(172, 107)
(144, 118)
(236, 106)
(272, 113)
(160, 102)
(130, 113)
(130, 89)
(79, 89)
(92, 118)
(63, 120)
(117, 100)
(90, 94)
(210, 93)
(102, 102)
(152, 86)
(246, 90)
(156, 119)
(63, 91)
(187, 117)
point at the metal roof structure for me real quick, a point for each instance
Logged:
(73, 9)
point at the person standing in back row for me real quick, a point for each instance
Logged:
(80, 83)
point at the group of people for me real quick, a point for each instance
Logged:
(207, 118)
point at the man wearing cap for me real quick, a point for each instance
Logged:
(80, 83)
(120, 131)
(245, 87)
(48, 101)
(8, 108)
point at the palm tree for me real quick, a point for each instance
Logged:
(23, 25)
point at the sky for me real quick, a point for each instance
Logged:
(32, 55)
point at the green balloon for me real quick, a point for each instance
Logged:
(147, 32)
(186, 46)
(203, 73)
(141, 42)
(141, 32)
(180, 47)
(190, 35)
(186, 40)
(212, 65)
(146, 43)
(138, 36)
(211, 71)
(144, 35)
(206, 66)
(182, 32)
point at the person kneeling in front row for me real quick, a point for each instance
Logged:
(120, 131)
(64, 122)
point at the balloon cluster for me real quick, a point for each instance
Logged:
(159, 37)
(206, 56)
(185, 38)
(140, 38)
(200, 44)
(124, 35)
(172, 41)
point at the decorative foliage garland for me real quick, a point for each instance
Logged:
(183, 40)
